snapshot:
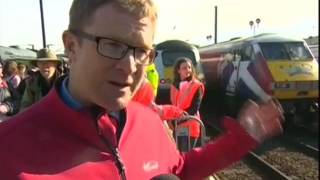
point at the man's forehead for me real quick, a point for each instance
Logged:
(140, 32)
(122, 26)
(132, 38)
(138, 37)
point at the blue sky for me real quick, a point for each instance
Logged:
(190, 20)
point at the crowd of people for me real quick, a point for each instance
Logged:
(24, 84)
(100, 121)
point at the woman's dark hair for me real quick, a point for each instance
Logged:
(179, 61)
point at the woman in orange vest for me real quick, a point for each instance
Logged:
(186, 93)
(144, 95)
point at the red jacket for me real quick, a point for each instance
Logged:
(52, 141)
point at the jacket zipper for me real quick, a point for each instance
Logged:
(114, 151)
(116, 154)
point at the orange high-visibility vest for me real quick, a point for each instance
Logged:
(144, 94)
(182, 98)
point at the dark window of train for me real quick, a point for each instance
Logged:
(297, 51)
(247, 54)
(285, 51)
(170, 57)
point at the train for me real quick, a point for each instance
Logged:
(262, 67)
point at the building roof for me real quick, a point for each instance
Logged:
(12, 53)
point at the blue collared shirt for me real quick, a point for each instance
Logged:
(73, 103)
(67, 98)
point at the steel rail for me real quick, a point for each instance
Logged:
(264, 168)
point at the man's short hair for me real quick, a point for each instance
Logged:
(81, 11)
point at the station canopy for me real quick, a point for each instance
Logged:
(16, 53)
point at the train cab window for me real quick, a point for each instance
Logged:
(285, 51)
(297, 51)
(169, 57)
(247, 54)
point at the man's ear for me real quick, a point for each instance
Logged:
(70, 42)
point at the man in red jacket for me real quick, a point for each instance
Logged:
(88, 128)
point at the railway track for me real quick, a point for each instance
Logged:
(292, 155)
(289, 156)
(300, 146)
(303, 135)
(292, 158)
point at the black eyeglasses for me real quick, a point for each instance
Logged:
(117, 50)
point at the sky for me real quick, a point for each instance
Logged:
(189, 20)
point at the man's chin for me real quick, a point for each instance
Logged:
(117, 105)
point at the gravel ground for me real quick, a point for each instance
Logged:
(294, 164)
(238, 171)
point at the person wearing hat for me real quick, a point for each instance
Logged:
(38, 85)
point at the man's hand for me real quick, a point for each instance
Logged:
(261, 121)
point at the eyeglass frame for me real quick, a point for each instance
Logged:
(97, 39)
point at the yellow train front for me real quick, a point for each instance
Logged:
(294, 73)
(263, 67)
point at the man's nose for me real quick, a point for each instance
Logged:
(127, 63)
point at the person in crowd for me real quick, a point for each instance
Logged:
(63, 67)
(66, 67)
(10, 72)
(144, 94)
(22, 71)
(186, 92)
(9, 98)
(39, 84)
(153, 77)
(88, 127)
